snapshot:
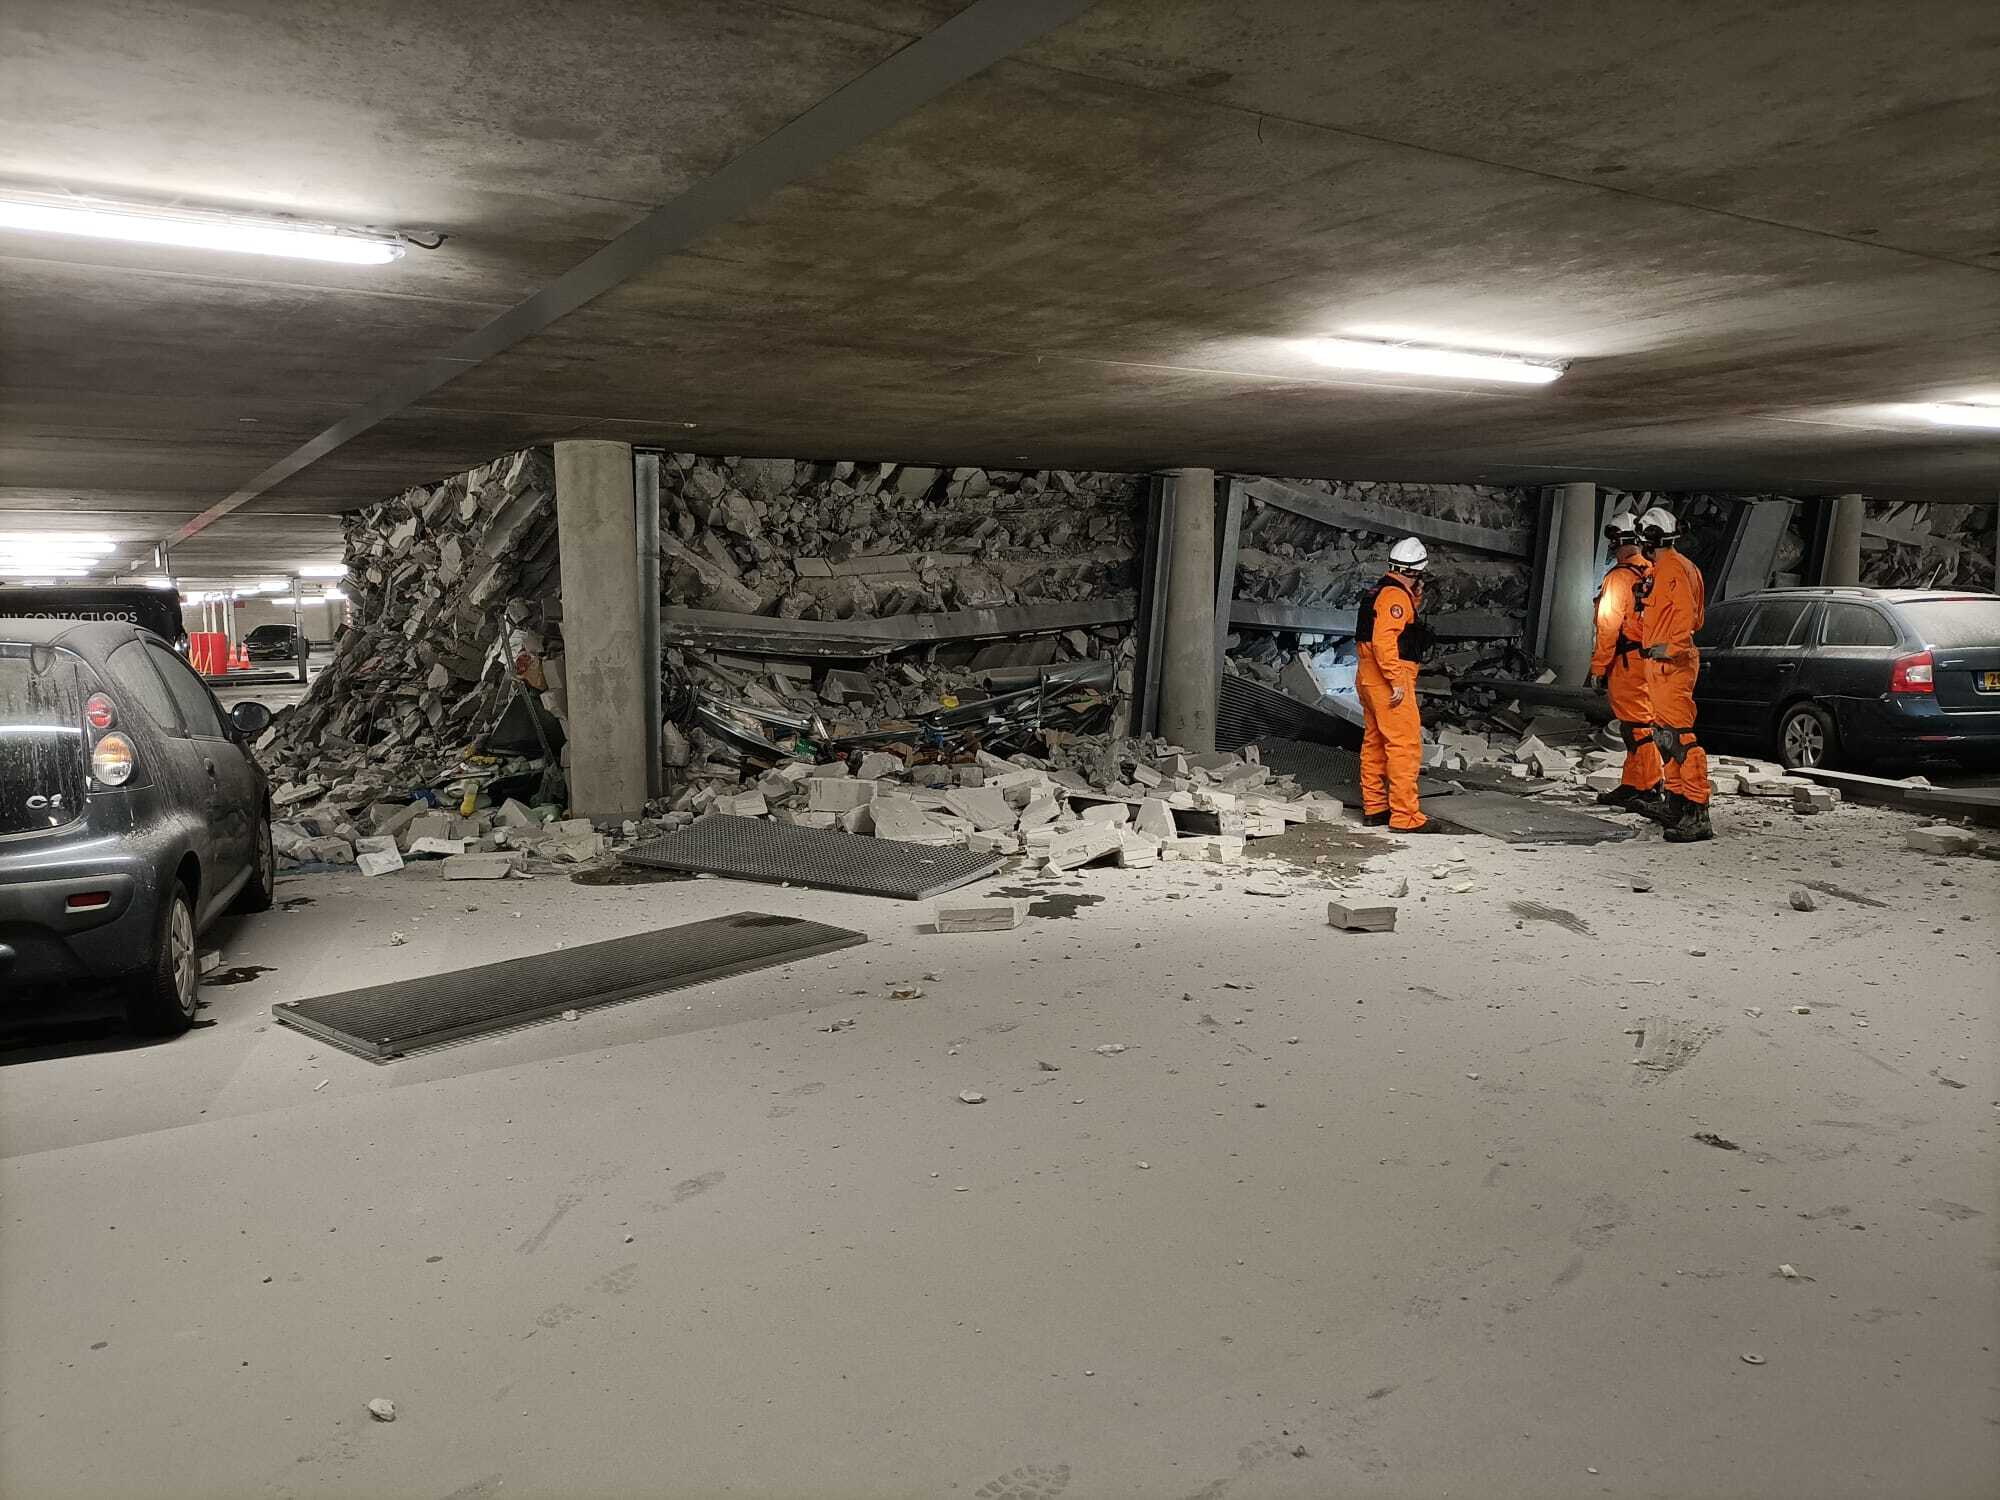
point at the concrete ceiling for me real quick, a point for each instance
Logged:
(1756, 230)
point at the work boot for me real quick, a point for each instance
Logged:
(1619, 796)
(1374, 820)
(1657, 805)
(1694, 827)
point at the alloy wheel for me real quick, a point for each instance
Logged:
(181, 949)
(1805, 740)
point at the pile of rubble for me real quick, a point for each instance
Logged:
(448, 677)
(1287, 558)
(1921, 546)
(842, 540)
(1090, 799)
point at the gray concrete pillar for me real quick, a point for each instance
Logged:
(1843, 541)
(603, 656)
(1188, 657)
(1573, 584)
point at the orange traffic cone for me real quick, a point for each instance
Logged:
(239, 659)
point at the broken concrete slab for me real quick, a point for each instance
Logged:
(1940, 838)
(1083, 845)
(983, 807)
(828, 795)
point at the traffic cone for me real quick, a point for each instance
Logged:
(240, 659)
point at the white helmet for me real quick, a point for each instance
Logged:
(1623, 527)
(1409, 555)
(1659, 525)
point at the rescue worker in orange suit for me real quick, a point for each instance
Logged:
(1390, 642)
(1617, 666)
(1675, 609)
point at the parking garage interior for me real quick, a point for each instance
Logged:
(864, 514)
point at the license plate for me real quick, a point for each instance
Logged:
(1989, 682)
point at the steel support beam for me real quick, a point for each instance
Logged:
(1383, 520)
(1148, 665)
(646, 515)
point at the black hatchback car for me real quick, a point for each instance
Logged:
(132, 815)
(273, 643)
(1817, 676)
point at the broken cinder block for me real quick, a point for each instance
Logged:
(981, 916)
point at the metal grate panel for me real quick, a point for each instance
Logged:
(1247, 711)
(753, 849)
(387, 1020)
(1524, 820)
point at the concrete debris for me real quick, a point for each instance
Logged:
(449, 674)
(1361, 918)
(1109, 1049)
(971, 1096)
(1802, 900)
(1940, 838)
(495, 866)
(382, 1409)
(982, 916)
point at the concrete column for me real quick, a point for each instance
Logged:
(1572, 626)
(603, 660)
(1843, 542)
(1188, 664)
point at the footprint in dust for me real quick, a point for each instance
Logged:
(1029, 1482)
(779, 1111)
(694, 1187)
(1952, 1210)
(618, 1282)
(556, 1315)
(1569, 1272)
(1604, 1215)
(804, 1089)
(999, 1028)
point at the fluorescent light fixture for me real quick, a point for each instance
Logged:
(194, 229)
(39, 570)
(1962, 413)
(324, 570)
(157, 581)
(335, 596)
(1418, 359)
(56, 541)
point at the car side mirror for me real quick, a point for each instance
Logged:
(250, 719)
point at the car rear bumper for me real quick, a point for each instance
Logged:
(46, 941)
(1915, 724)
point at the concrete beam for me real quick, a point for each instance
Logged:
(847, 639)
(1465, 624)
(1383, 520)
(1190, 667)
(603, 640)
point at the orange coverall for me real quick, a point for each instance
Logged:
(1674, 612)
(1617, 660)
(1392, 749)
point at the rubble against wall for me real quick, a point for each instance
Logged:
(445, 584)
(839, 540)
(1917, 546)
(1292, 559)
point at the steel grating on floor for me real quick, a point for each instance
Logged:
(753, 849)
(1247, 711)
(1330, 769)
(385, 1021)
(1524, 820)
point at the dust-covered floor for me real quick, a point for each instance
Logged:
(1493, 1205)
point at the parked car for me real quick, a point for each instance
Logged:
(1825, 676)
(273, 643)
(159, 610)
(132, 815)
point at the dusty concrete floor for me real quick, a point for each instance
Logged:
(1352, 1214)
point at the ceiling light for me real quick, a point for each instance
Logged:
(1962, 413)
(194, 229)
(39, 570)
(335, 595)
(55, 541)
(324, 570)
(1417, 359)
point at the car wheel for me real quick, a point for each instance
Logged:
(1807, 740)
(162, 1000)
(261, 889)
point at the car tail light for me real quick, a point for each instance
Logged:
(99, 712)
(87, 901)
(1912, 674)
(112, 761)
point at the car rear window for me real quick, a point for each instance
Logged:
(41, 739)
(1855, 625)
(1955, 622)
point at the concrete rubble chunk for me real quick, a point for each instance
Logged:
(444, 848)
(1940, 838)
(1083, 845)
(1110, 814)
(481, 866)
(1361, 918)
(903, 820)
(1155, 820)
(876, 764)
(825, 794)
(982, 807)
(981, 916)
